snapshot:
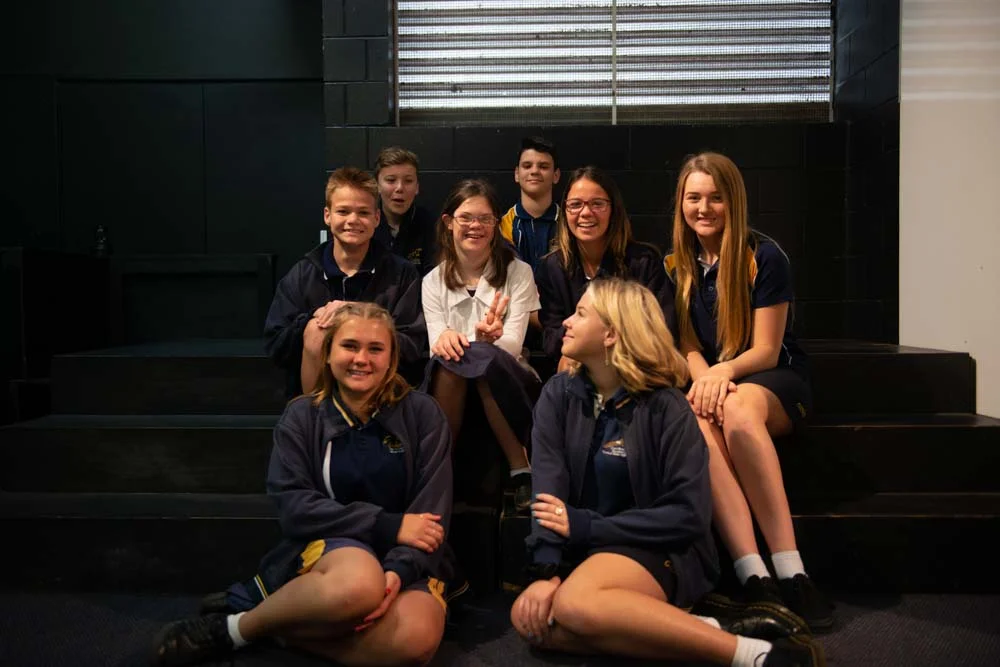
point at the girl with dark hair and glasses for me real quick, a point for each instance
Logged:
(477, 303)
(593, 239)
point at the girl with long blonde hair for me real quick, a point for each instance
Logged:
(621, 540)
(732, 290)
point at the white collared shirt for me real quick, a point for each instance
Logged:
(454, 309)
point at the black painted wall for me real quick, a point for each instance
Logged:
(184, 127)
(797, 174)
(866, 100)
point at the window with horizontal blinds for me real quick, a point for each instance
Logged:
(468, 62)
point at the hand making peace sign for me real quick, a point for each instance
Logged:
(490, 328)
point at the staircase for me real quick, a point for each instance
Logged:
(149, 474)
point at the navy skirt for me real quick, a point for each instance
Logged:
(514, 387)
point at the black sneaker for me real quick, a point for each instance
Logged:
(761, 620)
(761, 589)
(215, 603)
(192, 641)
(797, 651)
(801, 596)
(520, 486)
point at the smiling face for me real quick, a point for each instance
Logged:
(398, 186)
(352, 215)
(536, 173)
(703, 206)
(586, 335)
(360, 356)
(584, 222)
(472, 226)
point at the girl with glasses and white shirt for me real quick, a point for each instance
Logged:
(477, 303)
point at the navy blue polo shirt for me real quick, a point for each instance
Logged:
(367, 464)
(342, 286)
(532, 237)
(607, 487)
(771, 278)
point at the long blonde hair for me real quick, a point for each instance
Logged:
(393, 387)
(644, 355)
(732, 307)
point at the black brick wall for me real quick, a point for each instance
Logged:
(866, 101)
(182, 127)
(797, 174)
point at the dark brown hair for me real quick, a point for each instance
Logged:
(619, 232)
(501, 254)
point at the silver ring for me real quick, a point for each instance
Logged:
(559, 510)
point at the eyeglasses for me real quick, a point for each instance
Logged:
(595, 205)
(466, 220)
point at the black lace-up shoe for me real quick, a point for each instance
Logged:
(762, 620)
(801, 596)
(798, 651)
(761, 589)
(192, 641)
(215, 603)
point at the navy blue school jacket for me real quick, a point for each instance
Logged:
(668, 469)
(416, 240)
(395, 286)
(306, 512)
(558, 291)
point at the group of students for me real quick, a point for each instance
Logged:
(675, 374)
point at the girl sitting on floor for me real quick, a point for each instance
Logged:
(623, 502)
(361, 474)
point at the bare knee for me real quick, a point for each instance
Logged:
(740, 415)
(417, 640)
(358, 593)
(572, 608)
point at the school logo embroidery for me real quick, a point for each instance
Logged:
(614, 448)
(393, 444)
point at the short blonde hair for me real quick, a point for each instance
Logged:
(351, 177)
(644, 355)
(393, 387)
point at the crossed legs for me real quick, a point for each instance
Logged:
(318, 610)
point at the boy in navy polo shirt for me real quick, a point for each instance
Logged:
(530, 224)
(348, 267)
(407, 229)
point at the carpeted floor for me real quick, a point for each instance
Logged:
(42, 630)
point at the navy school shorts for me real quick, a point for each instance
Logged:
(790, 386)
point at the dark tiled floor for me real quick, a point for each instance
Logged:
(41, 630)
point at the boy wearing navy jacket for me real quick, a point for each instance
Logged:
(348, 267)
(409, 230)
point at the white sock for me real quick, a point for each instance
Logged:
(748, 566)
(787, 564)
(749, 652)
(518, 471)
(708, 619)
(233, 625)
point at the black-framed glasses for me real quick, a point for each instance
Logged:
(466, 220)
(596, 205)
